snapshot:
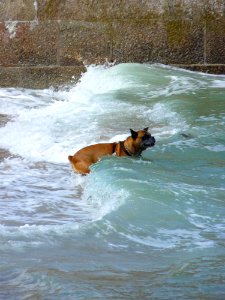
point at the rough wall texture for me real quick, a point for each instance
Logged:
(45, 42)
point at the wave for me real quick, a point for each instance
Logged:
(48, 125)
(144, 201)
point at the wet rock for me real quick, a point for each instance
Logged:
(4, 119)
(42, 39)
(40, 77)
(4, 154)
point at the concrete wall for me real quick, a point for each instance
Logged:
(45, 42)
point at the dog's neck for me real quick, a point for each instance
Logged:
(122, 147)
(128, 151)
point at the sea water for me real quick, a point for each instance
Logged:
(135, 228)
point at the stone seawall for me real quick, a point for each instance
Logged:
(46, 42)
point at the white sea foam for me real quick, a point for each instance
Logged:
(169, 239)
(167, 122)
(46, 126)
(67, 121)
(103, 195)
(128, 214)
(218, 83)
(34, 236)
(216, 148)
(118, 137)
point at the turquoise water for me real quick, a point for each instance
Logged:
(149, 228)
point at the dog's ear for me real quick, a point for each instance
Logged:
(134, 134)
(146, 129)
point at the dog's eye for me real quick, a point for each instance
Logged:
(146, 137)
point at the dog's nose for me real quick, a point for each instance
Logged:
(153, 139)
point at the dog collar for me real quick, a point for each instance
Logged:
(114, 148)
(122, 146)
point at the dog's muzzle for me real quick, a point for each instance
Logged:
(147, 143)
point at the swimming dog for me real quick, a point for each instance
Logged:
(133, 145)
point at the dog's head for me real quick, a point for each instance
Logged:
(142, 138)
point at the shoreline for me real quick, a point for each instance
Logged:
(41, 77)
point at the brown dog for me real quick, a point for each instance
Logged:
(132, 146)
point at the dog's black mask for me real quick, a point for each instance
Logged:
(147, 141)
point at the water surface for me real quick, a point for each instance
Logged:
(149, 228)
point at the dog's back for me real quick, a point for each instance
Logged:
(89, 155)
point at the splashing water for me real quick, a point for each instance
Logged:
(150, 228)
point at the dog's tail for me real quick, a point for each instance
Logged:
(70, 157)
